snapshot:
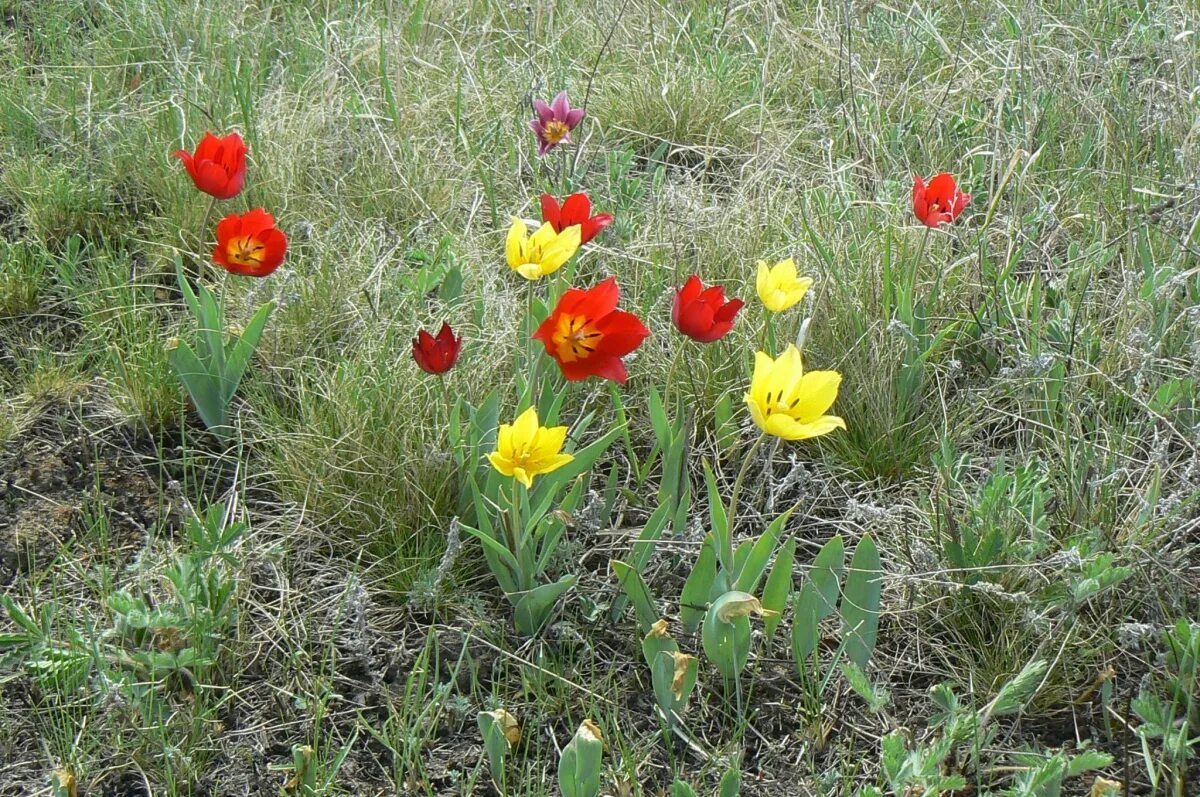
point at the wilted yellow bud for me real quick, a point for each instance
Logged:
(64, 783)
(659, 629)
(172, 344)
(683, 663)
(590, 732)
(740, 604)
(1103, 787)
(508, 725)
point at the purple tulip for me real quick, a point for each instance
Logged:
(554, 122)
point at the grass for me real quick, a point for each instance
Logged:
(1026, 375)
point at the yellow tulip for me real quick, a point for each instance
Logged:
(786, 402)
(524, 449)
(544, 252)
(780, 286)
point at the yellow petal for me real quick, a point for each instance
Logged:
(816, 392)
(757, 413)
(525, 429)
(514, 244)
(763, 283)
(548, 442)
(501, 463)
(758, 382)
(504, 440)
(561, 249)
(541, 239)
(785, 272)
(550, 464)
(523, 476)
(531, 271)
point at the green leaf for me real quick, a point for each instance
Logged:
(242, 350)
(727, 638)
(534, 608)
(641, 552)
(779, 588)
(756, 561)
(693, 601)
(817, 599)
(202, 386)
(731, 783)
(682, 789)
(635, 587)
(719, 519)
(503, 564)
(861, 601)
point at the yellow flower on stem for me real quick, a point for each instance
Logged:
(780, 286)
(524, 449)
(786, 402)
(544, 252)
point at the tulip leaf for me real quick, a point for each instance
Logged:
(201, 385)
(727, 641)
(658, 419)
(242, 349)
(817, 599)
(719, 520)
(641, 551)
(534, 608)
(779, 588)
(754, 563)
(503, 564)
(861, 601)
(635, 588)
(693, 601)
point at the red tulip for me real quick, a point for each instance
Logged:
(588, 335)
(436, 355)
(219, 165)
(702, 313)
(576, 209)
(940, 202)
(250, 245)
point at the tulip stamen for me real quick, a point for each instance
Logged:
(555, 131)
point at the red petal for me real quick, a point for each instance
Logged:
(729, 312)
(594, 226)
(942, 190)
(577, 209)
(599, 301)
(551, 212)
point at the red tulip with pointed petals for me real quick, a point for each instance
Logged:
(250, 245)
(576, 209)
(587, 335)
(436, 355)
(702, 313)
(218, 167)
(940, 202)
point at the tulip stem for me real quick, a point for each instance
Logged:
(771, 335)
(737, 489)
(212, 202)
(532, 344)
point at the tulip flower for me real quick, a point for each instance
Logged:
(436, 355)
(250, 245)
(940, 202)
(525, 449)
(554, 122)
(780, 286)
(576, 209)
(786, 402)
(218, 167)
(702, 313)
(587, 335)
(544, 252)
